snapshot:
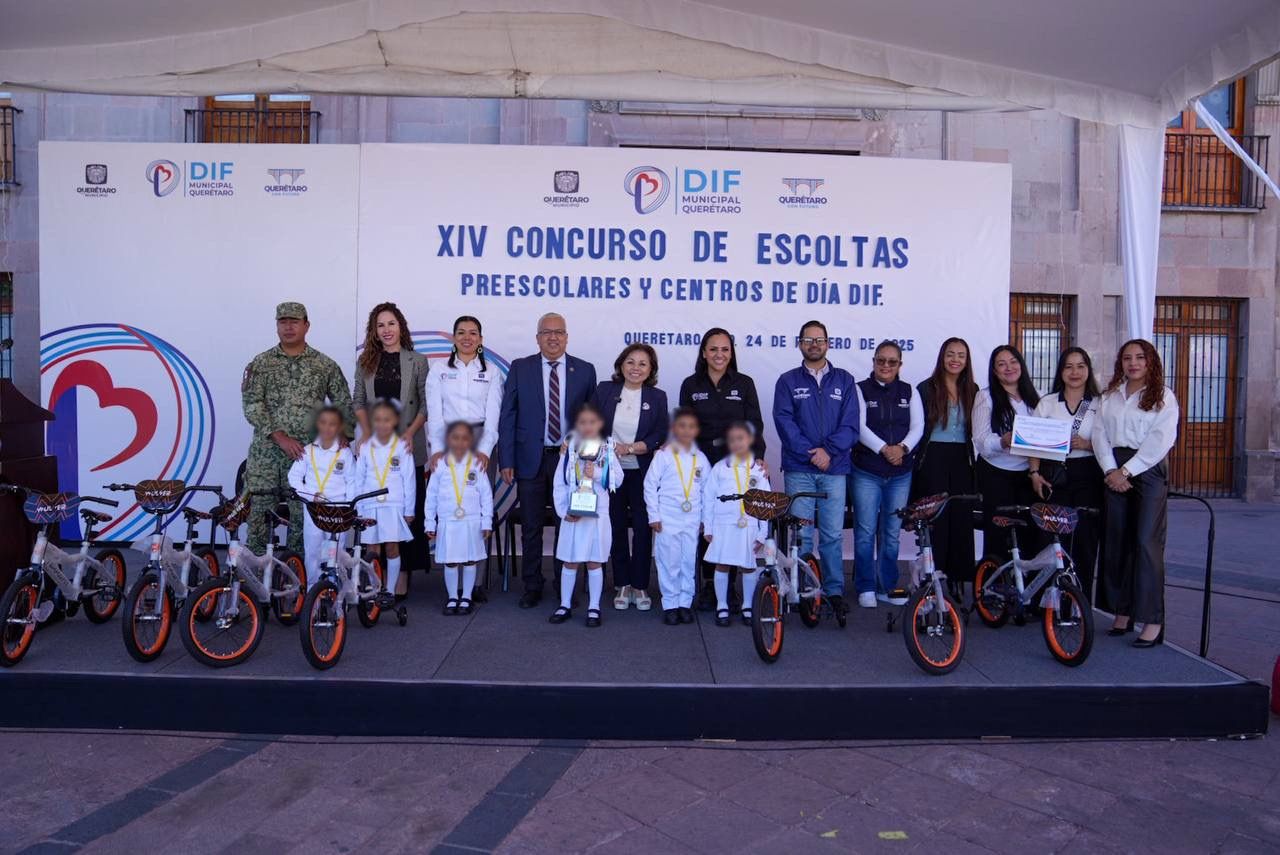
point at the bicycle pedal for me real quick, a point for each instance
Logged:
(43, 611)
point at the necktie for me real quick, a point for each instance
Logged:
(553, 404)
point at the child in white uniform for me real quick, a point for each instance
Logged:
(734, 536)
(459, 514)
(584, 539)
(673, 495)
(325, 471)
(385, 462)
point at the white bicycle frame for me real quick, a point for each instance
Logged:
(345, 566)
(1053, 557)
(172, 567)
(256, 571)
(47, 558)
(791, 567)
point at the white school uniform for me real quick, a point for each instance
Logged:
(731, 544)
(459, 540)
(675, 548)
(587, 539)
(464, 393)
(397, 461)
(305, 476)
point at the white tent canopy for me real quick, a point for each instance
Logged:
(1133, 63)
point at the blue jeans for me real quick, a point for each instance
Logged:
(830, 518)
(875, 498)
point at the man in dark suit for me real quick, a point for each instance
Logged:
(543, 393)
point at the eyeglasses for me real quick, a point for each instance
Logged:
(808, 340)
(553, 333)
(888, 362)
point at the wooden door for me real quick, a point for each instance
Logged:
(1199, 170)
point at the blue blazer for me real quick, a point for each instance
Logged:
(522, 426)
(654, 418)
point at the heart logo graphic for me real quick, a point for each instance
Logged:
(651, 184)
(93, 376)
(164, 173)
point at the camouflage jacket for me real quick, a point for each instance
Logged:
(282, 392)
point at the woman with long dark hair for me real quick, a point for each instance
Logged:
(1002, 476)
(944, 463)
(720, 395)
(635, 416)
(388, 369)
(464, 388)
(1076, 482)
(1136, 428)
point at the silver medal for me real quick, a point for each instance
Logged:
(382, 498)
(742, 522)
(459, 513)
(687, 506)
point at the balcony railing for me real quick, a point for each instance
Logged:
(1201, 172)
(8, 151)
(252, 126)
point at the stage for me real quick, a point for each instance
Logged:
(507, 672)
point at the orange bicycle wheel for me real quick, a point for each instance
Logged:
(324, 625)
(231, 633)
(17, 612)
(767, 619)
(109, 582)
(811, 607)
(990, 604)
(934, 640)
(1068, 628)
(148, 619)
(368, 610)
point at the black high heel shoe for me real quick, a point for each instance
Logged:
(1116, 631)
(1145, 643)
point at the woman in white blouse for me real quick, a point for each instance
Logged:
(1077, 483)
(1002, 476)
(464, 388)
(1137, 426)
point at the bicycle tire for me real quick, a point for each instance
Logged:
(993, 614)
(915, 618)
(144, 645)
(367, 610)
(99, 608)
(289, 615)
(247, 612)
(17, 603)
(322, 607)
(199, 575)
(767, 619)
(811, 607)
(1080, 613)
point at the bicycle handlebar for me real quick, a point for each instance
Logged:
(1022, 509)
(352, 502)
(111, 503)
(734, 497)
(19, 488)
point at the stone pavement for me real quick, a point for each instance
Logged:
(131, 792)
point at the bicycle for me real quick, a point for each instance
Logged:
(787, 581)
(324, 632)
(96, 582)
(222, 623)
(1002, 591)
(932, 623)
(165, 581)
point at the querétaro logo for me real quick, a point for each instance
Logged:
(95, 182)
(285, 182)
(648, 187)
(565, 184)
(802, 193)
(128, 406)
(164, 176)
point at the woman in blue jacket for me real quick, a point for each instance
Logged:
(635, 416)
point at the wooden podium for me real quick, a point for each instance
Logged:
(22, 461)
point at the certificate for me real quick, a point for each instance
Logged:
(1048, 439)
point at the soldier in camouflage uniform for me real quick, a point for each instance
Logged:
(281, 391)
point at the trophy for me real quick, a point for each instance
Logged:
(582, 502)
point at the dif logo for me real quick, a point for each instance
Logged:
(712, 181)
(213, 171)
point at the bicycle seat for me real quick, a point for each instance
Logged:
(191, 514)
(96, 516)
(363, 523)
(1006, 522)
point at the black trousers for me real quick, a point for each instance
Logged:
(1133, 544)
(1005, 487)
(632, 547)
(946, 469)
(535, 495)
(1083, 489)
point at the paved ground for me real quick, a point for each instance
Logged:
(130, 792)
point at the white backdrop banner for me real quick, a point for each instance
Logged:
(161, 264)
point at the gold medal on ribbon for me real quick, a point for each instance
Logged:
(458, 512)
(321, 482)
(687, 505)
(386, 470)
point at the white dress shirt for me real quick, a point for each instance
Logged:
(546, 396)
(626, 421)
(1123, 424)
(872, 440)
(1053, 407)
(463, 393)
(987, 441)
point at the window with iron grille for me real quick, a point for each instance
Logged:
(1201, 172)
(6, 325)
(8, 152)
(254, 119)
(1201, 344)
(1041, 326)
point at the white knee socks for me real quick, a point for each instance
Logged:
(749, 578)
(468, 580)
(595, 584)
(722, 591)
(568, 578)
(393, 573)
(451, 581)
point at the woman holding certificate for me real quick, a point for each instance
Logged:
(1137, 426)
(1077, 482)
(1002, 475)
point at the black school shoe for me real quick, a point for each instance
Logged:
(560, 615)
(722, 617)
(671, 617)
(593, 618)
(686, 615)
